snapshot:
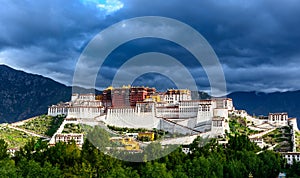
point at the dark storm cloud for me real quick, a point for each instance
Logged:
(258, 42)
(46, 37)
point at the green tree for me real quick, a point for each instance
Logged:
(176, 157)
(8, 168)
(3, 150)
(235, 169)
(294, 170)
(153, 151)
(121, 172)
(250, 160)
(34, 169)
(26, 152)
(241, 142)
(270, 164)
(99, 137)
(179, 172)
(155, 170)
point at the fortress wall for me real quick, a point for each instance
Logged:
(174, 128)
(133, 120)
(221, 113)
(189, 122)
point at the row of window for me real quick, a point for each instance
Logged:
(217, 123)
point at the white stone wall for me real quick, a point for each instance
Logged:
(218, 127)
(81, 106)
(131, 119)
(188, 109)
(290, 156)
(78, 138)
(278, 119)
(221, 113)
(175, 128)
(84, 112)
(241, 113)
(95, 103)
(176, 98)
(57, 110)
(167, 112)
(145, 107)
(190, 122)
(83, 97)
(229, 104)
(205, 110)
(293, 123)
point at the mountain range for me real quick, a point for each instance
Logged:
(24, 95)
(258, 103)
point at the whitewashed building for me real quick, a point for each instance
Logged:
(218, 127)
(177, 109)
(259, 141)
(173, 96)
(80, 106)
(78, 138)
(59, 109)
(278, 119)
(206, 110)
(293, 123)
(291, 156)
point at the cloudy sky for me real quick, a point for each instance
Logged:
(257, 42)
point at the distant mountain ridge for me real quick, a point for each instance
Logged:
(262, 103)
(23, 95)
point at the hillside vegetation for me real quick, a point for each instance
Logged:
(14, 138)
(44, 124)
(238, 125)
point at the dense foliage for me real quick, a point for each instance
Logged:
(208, 159)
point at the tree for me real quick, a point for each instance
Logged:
(121, 172)
(270, 164)
(3, 150)
(294, 170)
(34, 169)
(250, 160)
(235, 169)
(240, 142)
(155, 170)
(7, 168)
(176, 157)
(179, 172)
(99, 138)
(198, 167)
(153, 151)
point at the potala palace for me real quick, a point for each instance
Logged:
(177, 111)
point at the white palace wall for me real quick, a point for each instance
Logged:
(131, 119)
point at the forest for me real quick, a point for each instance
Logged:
(207, 158)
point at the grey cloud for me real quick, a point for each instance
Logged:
(258, 42)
